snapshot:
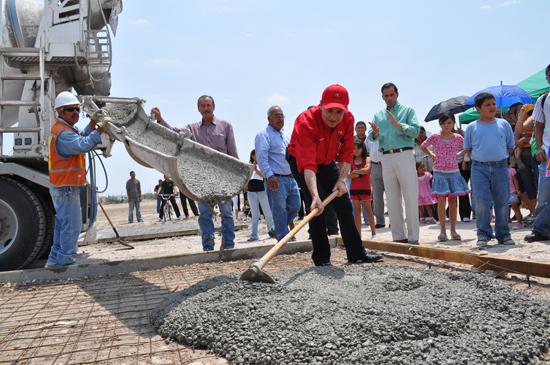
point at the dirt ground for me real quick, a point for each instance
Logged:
(105, 320)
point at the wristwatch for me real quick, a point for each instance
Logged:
(343, 180)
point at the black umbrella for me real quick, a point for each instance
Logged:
(455, 105)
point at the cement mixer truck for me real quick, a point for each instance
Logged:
(53, 46)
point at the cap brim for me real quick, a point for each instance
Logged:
(335, 105)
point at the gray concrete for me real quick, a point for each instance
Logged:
(359, 314)
(207, 175)
(127, 266)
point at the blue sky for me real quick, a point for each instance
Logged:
(251, 54)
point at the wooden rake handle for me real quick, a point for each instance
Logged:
(275, 249)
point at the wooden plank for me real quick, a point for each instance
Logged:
(483, 260)
(165, 234)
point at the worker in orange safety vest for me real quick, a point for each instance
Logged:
(67, 168)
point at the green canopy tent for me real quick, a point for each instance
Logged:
(535, 85)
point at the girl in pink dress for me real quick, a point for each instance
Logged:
(425, 198)
(447, 183)
(360, 188)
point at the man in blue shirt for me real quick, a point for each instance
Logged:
(395, 128)
(66, 166)
(282, 190)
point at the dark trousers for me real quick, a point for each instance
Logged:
(464, 206)
(327, 176)
(332, 220)
(192, 204)
(174, 205)
(304, 209)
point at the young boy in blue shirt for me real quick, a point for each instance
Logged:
(489, 141)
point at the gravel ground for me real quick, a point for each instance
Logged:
(359, 314)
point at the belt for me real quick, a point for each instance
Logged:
(489, 162)
(397, 150)
(279, 175)
(376, 163)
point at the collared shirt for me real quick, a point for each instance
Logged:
(420, 156)
(167, 187)
(540, 115)
(314, 143)
(390, 137)
(69, 144)
(270, 148)
(217, 135)
(489, 141)
(372, 149)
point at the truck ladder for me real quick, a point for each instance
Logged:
(98, 52)
(30, 54)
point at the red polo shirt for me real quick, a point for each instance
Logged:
(314, 143)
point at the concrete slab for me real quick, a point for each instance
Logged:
(127, 266)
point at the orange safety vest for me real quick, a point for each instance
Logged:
(65, 171)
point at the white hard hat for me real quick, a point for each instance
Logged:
(65, 98)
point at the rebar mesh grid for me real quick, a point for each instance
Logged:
(105, 320)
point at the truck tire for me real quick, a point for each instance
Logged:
(50, 225)
(22, 225)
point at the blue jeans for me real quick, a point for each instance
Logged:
(206, 224)
(68, 225)
(134, 203)
(159, 201)
(285, 204)
(255, 198)
(491, 179)
(542, 210)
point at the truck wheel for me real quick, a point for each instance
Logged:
(50, 225)
(22, 225)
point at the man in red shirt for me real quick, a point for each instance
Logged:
(321, 135)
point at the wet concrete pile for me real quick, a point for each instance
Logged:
(209, 177)
(372, 314)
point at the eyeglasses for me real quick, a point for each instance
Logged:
(279, 116)
(72, 109)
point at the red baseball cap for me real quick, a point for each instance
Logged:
(335, 96)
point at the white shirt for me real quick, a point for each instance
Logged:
(540, 116)
(372, 147)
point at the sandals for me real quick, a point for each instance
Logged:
(454, 236)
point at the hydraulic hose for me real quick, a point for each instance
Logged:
(92, 185)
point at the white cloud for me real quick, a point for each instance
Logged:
(486, 7)
(278, 99)
(140, 21)
(172, 61)
(509, 3)
(249, 35)
(224, 9)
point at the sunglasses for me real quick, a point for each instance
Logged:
(72, 109)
